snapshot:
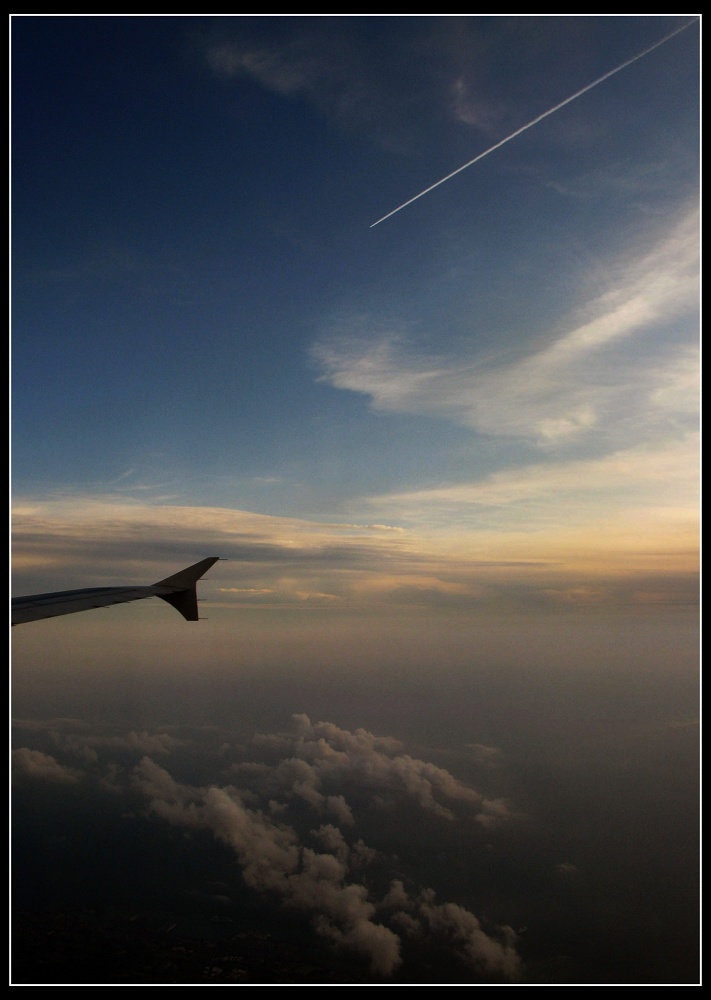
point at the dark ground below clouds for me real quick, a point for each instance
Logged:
(108, 896)
(110, 899)
(601, 766)
(83, 947)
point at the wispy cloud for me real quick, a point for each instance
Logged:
(533, 122)
(394, 86)
(600, 373)
(325, 72)
(648, 481)
(611, 528)
(622, 528)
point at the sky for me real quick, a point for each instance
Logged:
(441, 722)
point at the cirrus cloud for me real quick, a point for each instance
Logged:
(582, 378)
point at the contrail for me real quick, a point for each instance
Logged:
(540, 118)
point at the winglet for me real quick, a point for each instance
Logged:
(184, 595)
(188, 577)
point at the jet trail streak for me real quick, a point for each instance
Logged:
(535, 121)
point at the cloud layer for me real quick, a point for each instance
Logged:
(294, 808)
(620, 524)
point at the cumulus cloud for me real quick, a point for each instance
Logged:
(273, 860)
(465, 930)
(421, 916)
(34, 765)
(266, 817)
(75, 738)
(322, 757)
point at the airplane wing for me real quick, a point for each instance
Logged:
(178, 590)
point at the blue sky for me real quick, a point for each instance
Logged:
(200, 308)
(473, 426)
(203, 317)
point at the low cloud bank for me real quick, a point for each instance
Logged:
(298, 809)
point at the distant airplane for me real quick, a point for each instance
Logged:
(178, 590)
